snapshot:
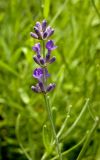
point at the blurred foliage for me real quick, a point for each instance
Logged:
(76, 74)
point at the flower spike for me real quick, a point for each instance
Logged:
(42, 32)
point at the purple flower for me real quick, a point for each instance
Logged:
(50, 45)
(40, 72)
(37, 49)
(42, 31)
(49, 31)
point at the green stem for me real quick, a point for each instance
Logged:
(46, 98)
(76, 121)
(49, 109)
(88, 139)
(64, 124)
(71, 149)
(43, 48)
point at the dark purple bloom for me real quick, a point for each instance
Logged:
(40, 72)
(50, 45)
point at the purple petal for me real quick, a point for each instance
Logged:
(38, 73)
(36, 47)
(50, 45)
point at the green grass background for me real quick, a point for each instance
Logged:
(76, 73)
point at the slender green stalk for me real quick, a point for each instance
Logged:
(77, 120)
(46, 98)
(43, 48)
(88, 139)
(64, 124)
(71, 149)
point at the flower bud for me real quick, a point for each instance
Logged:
(50, 87)
(36, 59)
(38, 25)
(52, 60)
(48, 56)
(44, 24)
(37, 31)
(35, 89)
(42, 61)
(41, 86)
(34, 35)
(45, 35)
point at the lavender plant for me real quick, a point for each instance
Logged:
(43, 58)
